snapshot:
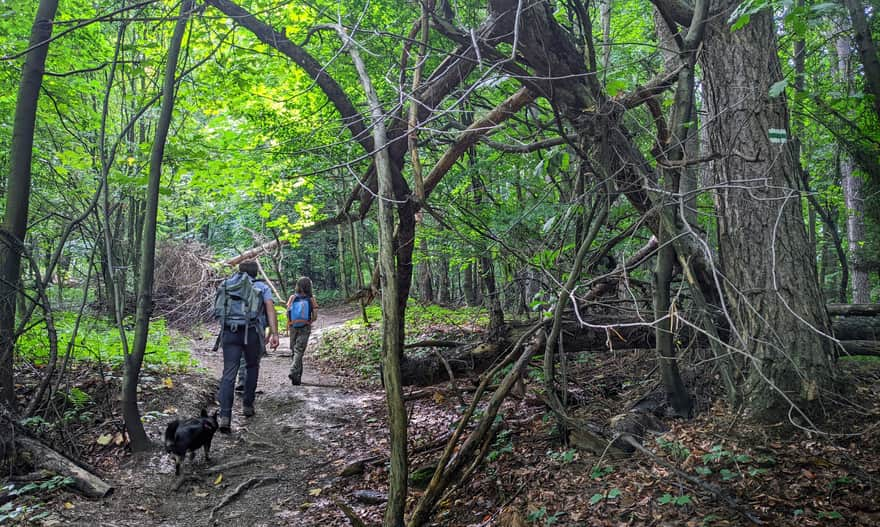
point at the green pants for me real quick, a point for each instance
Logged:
(299, 339)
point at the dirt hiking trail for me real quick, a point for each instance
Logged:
(268, 471)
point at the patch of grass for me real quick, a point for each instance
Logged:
(860, 358)
(98, 340)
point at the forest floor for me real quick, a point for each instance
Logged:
(284, 466)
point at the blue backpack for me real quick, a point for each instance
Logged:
(299, 314)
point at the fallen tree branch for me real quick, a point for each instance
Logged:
(853, 309)
(434, 344)
(84, 481)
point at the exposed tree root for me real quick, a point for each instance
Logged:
(234, 464)
(239, 490)
(352, 516)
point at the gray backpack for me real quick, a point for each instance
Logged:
(238, 302)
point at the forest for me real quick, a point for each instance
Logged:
(611, 262)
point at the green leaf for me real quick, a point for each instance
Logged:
(613, 493)
(741, 22)
(614, 86)
(683, 500)
(778, 88)
(596, 498)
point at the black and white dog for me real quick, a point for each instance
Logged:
(188, 436)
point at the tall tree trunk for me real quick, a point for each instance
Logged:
(867, 48)
(774, 295)
(392, 308)
(18, 189)
(130, 412)
(852, 196)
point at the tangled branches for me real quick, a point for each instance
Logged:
(185, 283)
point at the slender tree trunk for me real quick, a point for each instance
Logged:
(469, 290)
(776, 303)
(130, 412)
(675, 180)
(340, 250)
(426, 286)
(443, 296)
(852, 197)
(18, 188)
(392, 308)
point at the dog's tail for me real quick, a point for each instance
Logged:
(169, 435)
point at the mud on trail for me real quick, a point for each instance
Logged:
(269, 471)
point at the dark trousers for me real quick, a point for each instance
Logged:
(234, 349)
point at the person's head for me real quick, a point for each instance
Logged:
(304, 286)
(249, 267)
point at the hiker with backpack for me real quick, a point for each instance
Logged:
(244, 307)
(302, 310)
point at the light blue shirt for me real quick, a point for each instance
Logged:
(266, 294)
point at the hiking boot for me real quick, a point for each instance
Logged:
(248, 411)
(294, 379)
(223, 425)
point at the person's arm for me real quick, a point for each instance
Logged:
(314, 302)
(272, 316)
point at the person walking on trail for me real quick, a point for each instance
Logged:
(302, 310)
(245, 308)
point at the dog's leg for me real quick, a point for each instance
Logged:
(207, 451)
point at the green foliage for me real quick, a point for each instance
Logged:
(25, 507)
(98, 340)
(600, 471)
(563, 457)
(680, 501)
(674, 448)
(541, 516)
(503, 444)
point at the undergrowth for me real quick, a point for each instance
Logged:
(358, 345)
(98, 340)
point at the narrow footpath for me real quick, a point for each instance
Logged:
(268, 471)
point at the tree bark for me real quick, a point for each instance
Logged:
(771, 282)
(18, 189)
(133, 362)
(867, 48)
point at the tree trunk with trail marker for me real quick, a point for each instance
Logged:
(773, 291)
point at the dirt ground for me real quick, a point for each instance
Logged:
(275, 462)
